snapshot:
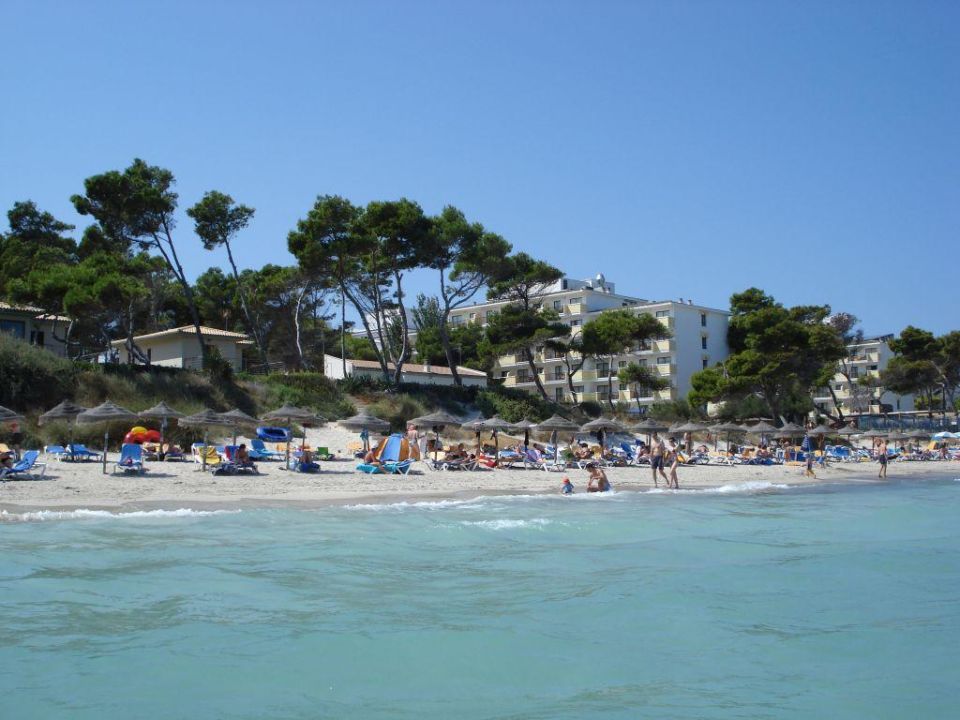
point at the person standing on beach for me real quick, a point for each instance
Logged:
(882, 459)
(807, 447)
(656, 459)
(673, 458)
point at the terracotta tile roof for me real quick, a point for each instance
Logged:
(38, 313)
(189, 330)
(415, 369)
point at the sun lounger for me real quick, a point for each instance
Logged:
(24, 469)
(80, 452)
(259, 451)
(230, 455)
(131, 459)
(370, 468)
(57, 451)
(323, 453)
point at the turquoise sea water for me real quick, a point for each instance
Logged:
(836, 602)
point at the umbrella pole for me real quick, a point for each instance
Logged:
(106, 443)
(203, 462)
(163, 426)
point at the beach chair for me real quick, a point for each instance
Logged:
(323, 453)
(80, 452)
(57, 451)
(25, 468)
(370, 468)
(131, 459)
(259, 451)
(230, 456)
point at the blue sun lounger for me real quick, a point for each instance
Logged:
(23, 469)
(131, 459)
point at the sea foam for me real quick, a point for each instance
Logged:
(505, 524)
(85, 514)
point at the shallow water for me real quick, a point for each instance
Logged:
(757, 602)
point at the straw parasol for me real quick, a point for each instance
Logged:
(162, 412)
(436, 421)
(524, 426)
(205, 419)
(918, 434)
(64, 411)
(874, 434)
(727, 428)
(237, 419)
(602, 426)
(106, 412)
(495, 425)
(364, 422)
(289, 413)
(7, 415)
(554, 425)
(847, 431)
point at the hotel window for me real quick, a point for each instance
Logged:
(663, 360)
(575, 301)
(623, 387)
(473, 316)
(854, 372)
(578, 388)
(705, 363)
(873, 367)
(574, 323)
(663, 313)
(703, 343)
(456, 319)
(622, 364)
(558, 373)
(642, 362)
(557, 304)
(703, 319)
(558, 394)
(523, 376)
(36, 338)
(602, 368)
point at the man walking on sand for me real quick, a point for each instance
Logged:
(882, 459)
(656, 459)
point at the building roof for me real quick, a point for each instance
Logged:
(415, 369)
(37, 313)
(189, 330)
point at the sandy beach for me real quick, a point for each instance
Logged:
(175, 485)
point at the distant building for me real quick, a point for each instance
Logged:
(864, 361)
(180, 348)
(34, 326)
(410, 372)
(699, 341)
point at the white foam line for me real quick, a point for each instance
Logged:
(85, 514)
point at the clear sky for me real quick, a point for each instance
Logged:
(685, 149)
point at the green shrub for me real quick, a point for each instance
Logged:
(397, 409)
(304, 389)
(33, 378)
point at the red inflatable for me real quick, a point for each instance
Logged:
(134, 438)
(152, 436)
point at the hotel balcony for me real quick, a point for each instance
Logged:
(666, 369)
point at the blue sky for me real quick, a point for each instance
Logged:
(685, 149)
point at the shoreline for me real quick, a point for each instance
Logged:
(83, 487)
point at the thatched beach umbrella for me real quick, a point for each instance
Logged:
(524, 426)
(7, 415)
(601, 426)
(476, 426)
(236, 419)
(205, 419)
(728, 428)
(106, 413)
(847, 431)
(556, 425)
(436, 421)
(364, 422)
(67, 411)
(164, 413)
(495, 425)
(288, 414)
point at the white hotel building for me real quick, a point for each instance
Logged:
(699, 340)
(866, 358)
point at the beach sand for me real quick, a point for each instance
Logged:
(175, 485)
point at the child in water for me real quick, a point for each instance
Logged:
(567, 488)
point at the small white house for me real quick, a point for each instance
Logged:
(333, 367)
(179, 347)
(32, 325)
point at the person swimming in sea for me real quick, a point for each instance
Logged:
(567, 487)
